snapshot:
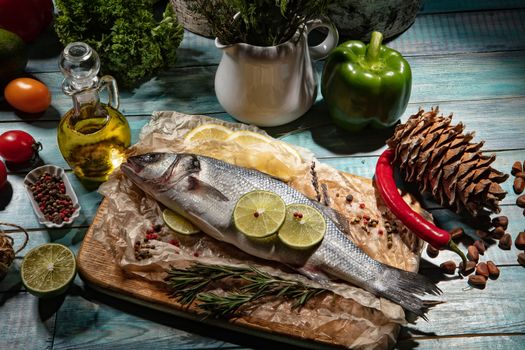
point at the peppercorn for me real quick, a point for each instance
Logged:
(50, 195)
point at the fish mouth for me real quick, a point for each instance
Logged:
(130, 167)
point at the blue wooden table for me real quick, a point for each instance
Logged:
(467, 57)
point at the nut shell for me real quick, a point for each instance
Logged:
(477, 281)
(505, 242)
(493, 270)
(520, 241)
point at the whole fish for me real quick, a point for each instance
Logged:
(205, 190)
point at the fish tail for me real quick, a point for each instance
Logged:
(401, 287)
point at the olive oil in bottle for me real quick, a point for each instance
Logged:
(92, 136)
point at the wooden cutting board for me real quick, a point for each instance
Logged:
(96, 267)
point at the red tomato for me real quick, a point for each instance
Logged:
(3, 174)
(28, 95)
(18, 146)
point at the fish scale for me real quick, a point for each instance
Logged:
(206, 190)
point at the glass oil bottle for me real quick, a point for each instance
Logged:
(92, 136)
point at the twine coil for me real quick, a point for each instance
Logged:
(7, 252)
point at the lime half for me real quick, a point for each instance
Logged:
(303, 227)
(48, 270)
(259, 214)
(178, 223)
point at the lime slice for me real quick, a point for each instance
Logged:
(208, 132)
(303, 227)
(48, 270)
(259, 214)
(178, 223)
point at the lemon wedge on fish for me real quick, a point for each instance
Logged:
(303, 227)
(259, 214)
(208, 132)
(178, 223)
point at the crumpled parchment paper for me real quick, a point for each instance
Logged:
(351, 316)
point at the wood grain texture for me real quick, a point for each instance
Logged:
(440, 6)
(447, 33)
(495, 121)
(485, 89)
(499, 308)
(190, 90)
(480, 342)
(80, 316)
(27, 322)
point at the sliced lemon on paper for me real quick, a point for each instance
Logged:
(179, 223)
(303, 227)
(259, 214)
(246, 138)
(48, 270)
(208, 132)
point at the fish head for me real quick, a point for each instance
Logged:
(153, 171)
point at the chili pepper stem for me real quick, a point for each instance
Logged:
(372, 51)
(453, 247)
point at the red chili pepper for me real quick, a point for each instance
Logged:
(427, 231)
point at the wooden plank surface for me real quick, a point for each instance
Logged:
(467, 56)
(449, 78)
(446, 33)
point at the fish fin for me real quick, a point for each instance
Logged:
(204, 225)
(401, 286)
(195, 184)
(339, 219)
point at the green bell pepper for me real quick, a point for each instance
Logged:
(366, 84)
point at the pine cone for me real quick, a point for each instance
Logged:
(443, 161)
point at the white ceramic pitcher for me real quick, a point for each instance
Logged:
(271, 85)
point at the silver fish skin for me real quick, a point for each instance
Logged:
(205, 190)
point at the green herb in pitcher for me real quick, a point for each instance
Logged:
(92, 136)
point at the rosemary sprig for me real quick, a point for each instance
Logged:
(188, 285)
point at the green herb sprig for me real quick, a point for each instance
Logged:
(189, 285)
(260, 22)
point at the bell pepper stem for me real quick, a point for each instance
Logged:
(372, 51)
(453, 247)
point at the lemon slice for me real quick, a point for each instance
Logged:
(48, 270)
(208, 132)
(293, 154)
(303, 227)
(246, 138)
(259, 214)
(178, 223)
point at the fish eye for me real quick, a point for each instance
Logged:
(150, 157)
